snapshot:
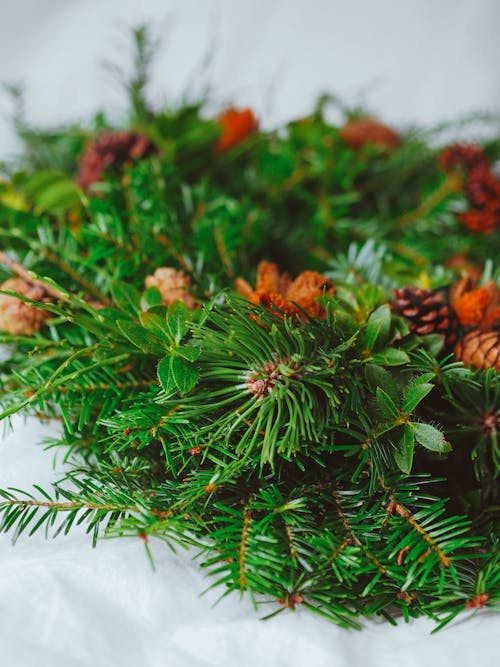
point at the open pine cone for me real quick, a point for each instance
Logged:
(360, 132)
(173, 286)
(16, 317)
(110, 149)
(479, 349)
(426, 311)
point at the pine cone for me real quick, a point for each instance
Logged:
(427, 312)
(173, 286)
(480, 349)
(110, 149)
(16, 317)
(362, 131)
(461, 157)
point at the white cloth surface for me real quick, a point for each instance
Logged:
(64, 604)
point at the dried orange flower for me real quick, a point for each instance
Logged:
(462, 264)
(277, 291)
(236, 125)
(362, 131)
(479, 221)
(476, 306)
(173, 286)
(19, 318)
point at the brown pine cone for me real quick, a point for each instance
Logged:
(173, 286)
(110, 149)
(359, 132)
(480, 349)
(461, 157)
(16, 317)
(427, 312)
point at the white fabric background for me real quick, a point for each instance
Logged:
(63, 604)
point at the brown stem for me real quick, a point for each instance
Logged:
(398, 508)
(354, 538)
(72, 273)
(29, 277)
(69, 505)
(243, 546)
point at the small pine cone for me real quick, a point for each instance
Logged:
(110, 149)
(362, 131)
(479, 349)
(461, 156)
(16, 317)
(483, 188)
(173, 286)
(427, 312)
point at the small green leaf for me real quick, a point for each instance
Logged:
(177, 374)
(434, 343)
(58, 197)
(430, 437)
(189, 352)
(390, 356)
(156, 323)
(177, 321)
(150, 298)
(42, 180)
(378, 327)
(377, 376)
(403, 455)
(140, 337)
(126, 297)
(415, 393)
(386, 404)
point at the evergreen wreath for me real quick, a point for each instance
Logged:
(281, 349)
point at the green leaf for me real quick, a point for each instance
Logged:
(377, 376)
(403, 455)
(430, 437)
(177, 374)
(42, 180)
(434, 343)
(58, 197)
(126, 297)
(178, 315)
(189, 352)
(378, 327)
(150, 298)
(386, 404)
(415, 393)
(140, 337)
(390, 356)
(156, 323)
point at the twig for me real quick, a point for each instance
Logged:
(29, 277)
(453, 183)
